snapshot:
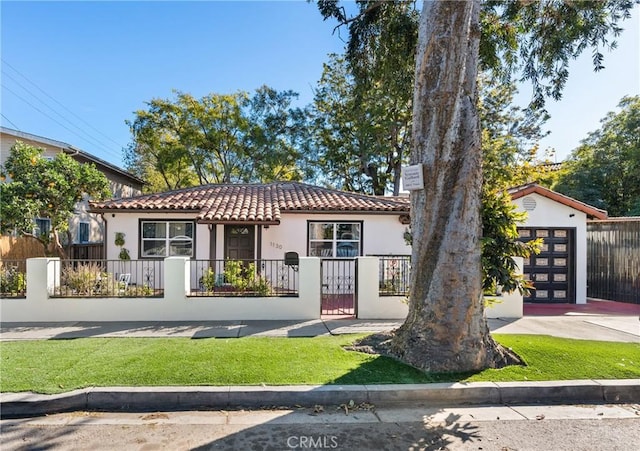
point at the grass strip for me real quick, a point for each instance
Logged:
(54, 366)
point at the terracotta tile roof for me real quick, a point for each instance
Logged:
(524, 190)
(260, 203)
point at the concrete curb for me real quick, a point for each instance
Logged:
(141, 399)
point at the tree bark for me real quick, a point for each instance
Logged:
(446, 330)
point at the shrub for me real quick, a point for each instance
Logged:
(139, 291)
(244, 278)
(235, 274)
(12, 280)
(87, 279)
(261, 286)
(208, 279)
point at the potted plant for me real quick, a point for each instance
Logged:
(123, 255)
(124, 252)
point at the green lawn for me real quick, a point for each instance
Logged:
(55, 366)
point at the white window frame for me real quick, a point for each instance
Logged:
(336, 241)
(168, 240)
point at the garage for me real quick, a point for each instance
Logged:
(553, 270)
(559, 271)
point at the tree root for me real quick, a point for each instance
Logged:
(381, 344)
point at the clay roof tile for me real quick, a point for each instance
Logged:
(260, 203)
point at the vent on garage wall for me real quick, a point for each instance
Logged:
(529, 204)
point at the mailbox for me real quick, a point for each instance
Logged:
(291, 259)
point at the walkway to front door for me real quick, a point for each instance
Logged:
(339, 287)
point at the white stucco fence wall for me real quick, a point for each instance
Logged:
(373, 306)
(176, 305)
(507, 305)
(370, 304)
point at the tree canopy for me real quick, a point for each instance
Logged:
(362, 137)
(534, 41)
(604, 171)
(219, 138)
(35, 187)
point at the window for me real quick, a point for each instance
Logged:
(166, 238)
(334, 239)
(83, 232)
(42, 226)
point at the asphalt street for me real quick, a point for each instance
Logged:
(365, 427)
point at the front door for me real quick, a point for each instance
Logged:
(552, 271)
(239, 242)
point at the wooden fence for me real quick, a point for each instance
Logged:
(20, 248)
(89, 251)
(613, 259)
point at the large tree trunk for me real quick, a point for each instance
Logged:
(446, 330)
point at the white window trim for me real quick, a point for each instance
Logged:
(335, 240)
(167, 238)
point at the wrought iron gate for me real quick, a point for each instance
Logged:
(339, 286)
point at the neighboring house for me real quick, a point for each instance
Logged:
(264, 221)
(559, 272)
(85, 227)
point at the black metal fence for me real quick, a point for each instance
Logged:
(108, 278)
(613, 260)
(394, 274)
(265, 278)
(13, 278)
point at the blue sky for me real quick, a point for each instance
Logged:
(76, 71)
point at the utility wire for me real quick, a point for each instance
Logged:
(9, 121)
(88, 138)
(42, 112)
(56, 101)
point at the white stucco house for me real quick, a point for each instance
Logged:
(266, 221)
(255, 221)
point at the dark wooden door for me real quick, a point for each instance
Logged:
(239, 242)
(552, 271)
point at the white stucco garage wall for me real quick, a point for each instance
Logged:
(549, 213)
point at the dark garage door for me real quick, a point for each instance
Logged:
(552, 271)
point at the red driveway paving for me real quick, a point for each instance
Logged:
(592, 307)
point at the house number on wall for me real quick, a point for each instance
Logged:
(276, 245)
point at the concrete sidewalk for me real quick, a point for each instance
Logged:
(591, 327)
